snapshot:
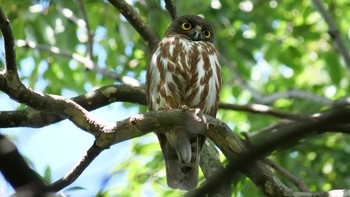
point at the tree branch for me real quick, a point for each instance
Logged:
(16, 171)
(54, 104)
(135, 20)
(260, 98)
(223, 137)
(333, 32)
(218, 132)
(291, 177)
(266, 131)
(244, 160)
(12, 86)
(296, 94)
(69, 14)
(77, 170)
(10, 54)
(266, 110)
(241, 158)
(103, 96)
(210, 164)
(169, 5)
(88, 30)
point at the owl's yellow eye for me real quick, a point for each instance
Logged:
(186, 26)
(206, 33)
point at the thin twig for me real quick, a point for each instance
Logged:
(291, 177)
(87, 62)
(77, 170)
(333, 32)
(69, 14)
(268, 128)
(274, 96)
(301, 94)
(169, 5)
(88, 30)
(84, 23)
(266, 110)
(135, 20)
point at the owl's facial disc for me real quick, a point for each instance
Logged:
(191, 27)
(197, 33)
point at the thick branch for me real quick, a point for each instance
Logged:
(30, 117)
(135, 20)
(51, 104)
(333, 32)
(210, 164)
(10, 55)
(242, 158)
(224, 138)
(218, 132)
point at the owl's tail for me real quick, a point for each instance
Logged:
(182, 174)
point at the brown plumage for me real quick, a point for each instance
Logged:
(184, 70)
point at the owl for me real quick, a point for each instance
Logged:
(184, 70)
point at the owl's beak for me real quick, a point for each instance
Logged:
(197, 32)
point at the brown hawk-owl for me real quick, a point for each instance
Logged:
(184, 70)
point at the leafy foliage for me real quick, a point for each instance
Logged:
(275, 46)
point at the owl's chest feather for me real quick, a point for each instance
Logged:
(185, 57)
(187, 73)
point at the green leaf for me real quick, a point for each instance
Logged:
(335, 69)
(47, 175)
(75, 188)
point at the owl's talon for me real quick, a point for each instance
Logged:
(184, 108)
(197, 111)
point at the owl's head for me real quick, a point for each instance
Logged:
(193, 27)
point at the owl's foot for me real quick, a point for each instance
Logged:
(184, 108)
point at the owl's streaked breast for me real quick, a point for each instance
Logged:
(184, 72)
